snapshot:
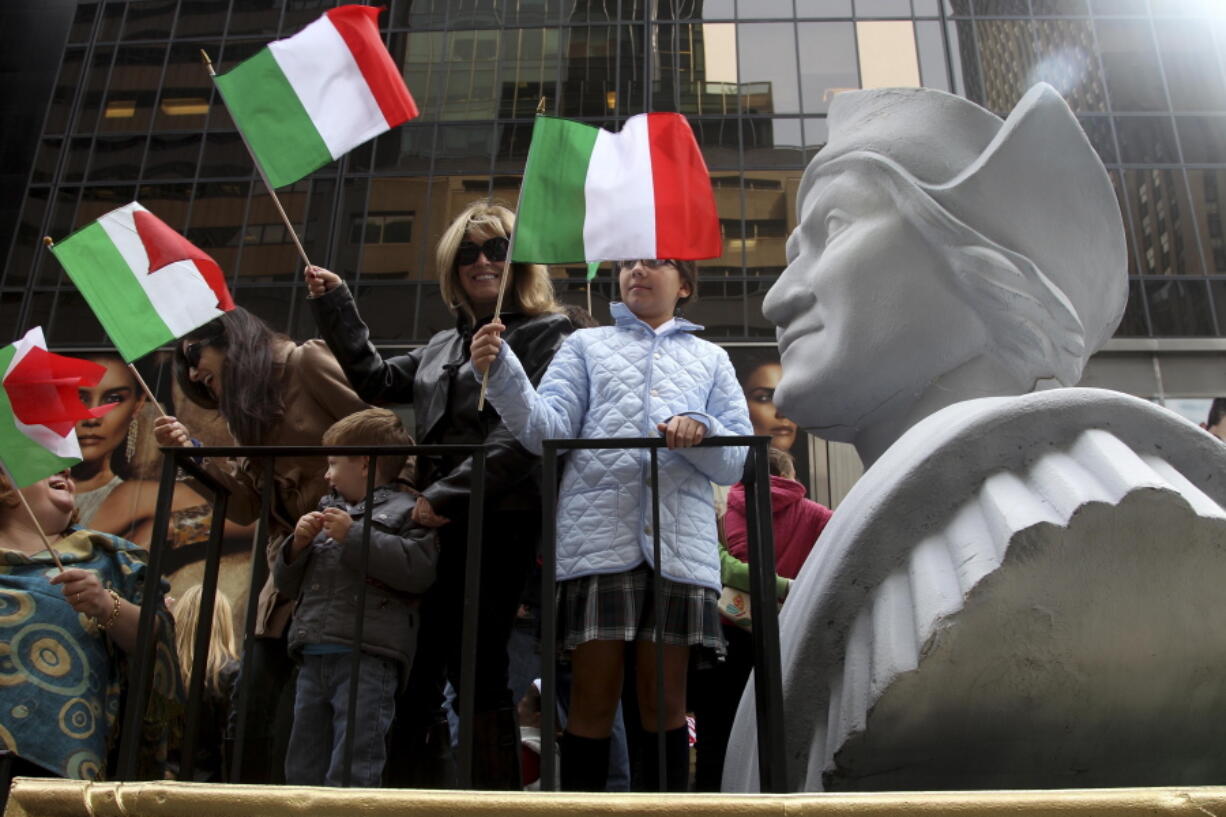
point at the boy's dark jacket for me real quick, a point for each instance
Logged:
(326, 577)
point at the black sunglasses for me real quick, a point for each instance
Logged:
(494, 249)
(192, 351)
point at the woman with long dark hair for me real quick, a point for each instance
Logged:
(437, 379)
(269, 391)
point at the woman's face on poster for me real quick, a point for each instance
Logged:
(99, 436)
(760, 394)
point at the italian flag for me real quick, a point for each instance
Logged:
(147, 284)
(308, 99)
(592, 195)
(39, 408)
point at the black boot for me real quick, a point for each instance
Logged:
(496, 753)
(585, 763)
(676, 760)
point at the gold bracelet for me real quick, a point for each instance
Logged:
(111, 619)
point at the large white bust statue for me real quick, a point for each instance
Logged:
(1022, 590)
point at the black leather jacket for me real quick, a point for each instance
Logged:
(437, 379)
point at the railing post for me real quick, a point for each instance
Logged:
(259, 575)
(204, 632)
(768, 685)
(472, 596)
(657, 593)
(146, 643)
(549, 617)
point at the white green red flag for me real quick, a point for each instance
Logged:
(39, 408)
(308, 99)
(146, 283)
(592, 195)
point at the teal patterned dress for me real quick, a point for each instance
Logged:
(61, 678)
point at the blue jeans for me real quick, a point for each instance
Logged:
(321, 707)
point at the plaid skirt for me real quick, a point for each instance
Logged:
(619, 607)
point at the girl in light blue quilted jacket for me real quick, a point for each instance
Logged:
(647, 375)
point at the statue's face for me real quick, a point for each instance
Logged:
(864, 311)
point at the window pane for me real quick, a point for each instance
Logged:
(1164, 222)
(1206, 189)
(1134, 79)
(772, 142)
(257, 17)
(217, 217)
(1179, 308)
(1203, 138)
(1190, 61)
(767, 68)
(186, 91)
(28, 239)
(763, 9)
(590, 81)
(827, 63)
(719, 140)
(1146, 140)
(823, 8)
(933, 71)
(1000, 7)
(887, 54)
(225, 155)
(1058, 7)
(74, 323)
(1098, 128)
(83, 22)
(271, 303)
(883, 8)
(201, 18)
(149, 19)
(173, 157)
(65, 88)
(117, 157)
(1133, 324)
(95, 88)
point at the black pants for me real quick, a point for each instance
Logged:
(714, 695)
(270, 712)
(508, 550)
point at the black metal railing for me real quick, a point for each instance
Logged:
(771, 754)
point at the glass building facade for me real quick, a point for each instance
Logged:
(131, 114)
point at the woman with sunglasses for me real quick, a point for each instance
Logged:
(270, 391)
(437, 380)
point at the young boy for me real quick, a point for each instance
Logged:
(320, 566)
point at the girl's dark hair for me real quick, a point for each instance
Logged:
(688, 270)
(251, 402)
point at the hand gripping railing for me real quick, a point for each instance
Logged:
(772, 757)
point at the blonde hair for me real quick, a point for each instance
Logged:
(223, 645)
(373, 426)
(530, 289)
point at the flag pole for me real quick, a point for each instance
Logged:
(148, 391)
(33, 518)
(508, 270)
(293, 234)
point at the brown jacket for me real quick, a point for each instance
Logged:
(316, 395)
